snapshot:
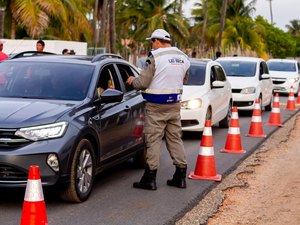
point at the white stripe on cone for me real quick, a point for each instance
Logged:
(34, 191)
(256, 119)
(206, 151)
(234, 130)
(276, 110)
(207, 131)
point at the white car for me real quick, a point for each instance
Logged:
(250, 80)
(284, 73)
(206, 95)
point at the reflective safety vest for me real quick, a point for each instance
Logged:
(171, 65)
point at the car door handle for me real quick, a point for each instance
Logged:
(127, 108)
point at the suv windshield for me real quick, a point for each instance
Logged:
(196, 75)
(63, 81)
(239, 68)
(282, 66)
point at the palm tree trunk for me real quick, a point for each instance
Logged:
(95, 24)
(13, 28)
(222, 24)
(202, 41)
(112, 29)
(103, 23)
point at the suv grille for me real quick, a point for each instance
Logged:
(9, 174)
(8, 139)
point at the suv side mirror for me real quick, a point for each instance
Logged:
(109, 96)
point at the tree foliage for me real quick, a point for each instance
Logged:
(135, 20)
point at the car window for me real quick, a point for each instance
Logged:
(126, 71)
(107, 79)
(61, 81)
(196, 74)
(239, 68)
(220, 75)
(282, 66)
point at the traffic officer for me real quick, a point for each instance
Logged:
(162, 78)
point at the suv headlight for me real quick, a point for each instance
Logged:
(248, 90)
(192, 104)
(43, 132)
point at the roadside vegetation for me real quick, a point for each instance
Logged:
(122, 26)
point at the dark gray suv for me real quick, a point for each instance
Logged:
(73, 116)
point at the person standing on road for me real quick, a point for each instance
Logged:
(162, 78)
(3, 56)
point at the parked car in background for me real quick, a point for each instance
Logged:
(285, 73)
(250, 80)
(207, 95)
(73, 116)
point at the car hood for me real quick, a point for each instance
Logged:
(21, 113)
(191, 92)
(242, 82)
(283, 74)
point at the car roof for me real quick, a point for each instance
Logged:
(240, 58)
(202, 61)
(283, 60)
(79, 59)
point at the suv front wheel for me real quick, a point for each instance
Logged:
(82, 173)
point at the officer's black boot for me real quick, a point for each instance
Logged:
(178, 178)
(148, 180)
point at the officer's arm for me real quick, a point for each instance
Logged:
(143, 81)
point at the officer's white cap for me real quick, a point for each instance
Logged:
(160, 34)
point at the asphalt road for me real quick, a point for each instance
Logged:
(114, 201)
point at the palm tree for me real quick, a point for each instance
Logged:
(241, 31)
(222, 24)
(294, 27)
(140, 18)
(66, 19)
(112, 29)
(202, 41)
(103, 21)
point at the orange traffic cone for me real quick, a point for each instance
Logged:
(291, 105)
(34, 208)
(275, 114)
(256, 129)
(233, 142)
(206, 166)
(139, 127)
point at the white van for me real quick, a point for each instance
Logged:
(284, 73)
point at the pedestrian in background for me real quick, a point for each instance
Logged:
(142, 58)
(72, 52)
(40, 45)
(3, 56)
(218, 55)
(162, 78)
(65, 51)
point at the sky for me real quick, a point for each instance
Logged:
(283, 11)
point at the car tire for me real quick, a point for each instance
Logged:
(269, 106)
(82, 173)
(224, 123)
